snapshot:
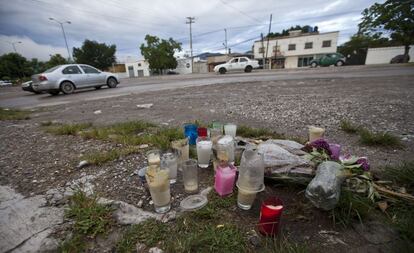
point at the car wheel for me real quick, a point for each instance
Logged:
(339, 63)
(98, 87)
(222, 71)
(67, 87)
(112, 83)
(248, 69)
(314, 65)
(54, 92)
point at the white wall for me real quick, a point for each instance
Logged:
(183, 66)
(300, 41)
(383, 55)
(139, 65)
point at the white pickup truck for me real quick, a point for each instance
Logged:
(237, 64)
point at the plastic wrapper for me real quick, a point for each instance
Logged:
(325, 188)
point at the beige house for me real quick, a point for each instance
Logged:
(295, 50)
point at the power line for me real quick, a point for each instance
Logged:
(240, 11)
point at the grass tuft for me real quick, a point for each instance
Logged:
(378, 139)
(283, 244)
(348, 127)
(351, 207)
(90, 219)
(99, 158)
(260, 133)
(67, 129)
(12, 114)
(402, 174)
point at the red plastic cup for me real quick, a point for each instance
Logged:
(202, 132)
(270, 213)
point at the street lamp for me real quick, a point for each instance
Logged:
(13, 44)
(64, 35)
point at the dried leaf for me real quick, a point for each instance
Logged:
(383, 205)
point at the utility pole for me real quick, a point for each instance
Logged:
(64, 35)
(263, 55)
(267, 46)
(225, 40)
(191, 21)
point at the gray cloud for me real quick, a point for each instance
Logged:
(125, 23)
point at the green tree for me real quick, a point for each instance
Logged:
(36, 66)
(55, 60)
(394, 17)
(95, 54)
(160, 53)
(13, 65)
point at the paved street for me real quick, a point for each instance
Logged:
(15, 97)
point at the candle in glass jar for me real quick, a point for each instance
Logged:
(153, 157)
(270, 214)
(230, 129)
(315, 133)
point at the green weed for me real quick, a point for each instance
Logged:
(378, 139)
(281, 243)
(350, 207)
(348, 127)
(13, 114)
(260, 133)
(402, 174)
(67, 129)
(99, 157)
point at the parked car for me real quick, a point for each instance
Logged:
(27, 86)
(5, 83)
(336, 59)
(67, 78)
(398, 59)
(237, 64)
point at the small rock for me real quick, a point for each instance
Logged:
(34, 181)
(97, 112)
(212, 110)
(144, 106)
(141, 248)
(155, 250)
(151, 202)
(142, 146)
(169, 216)
(306, 237)
(140, 203)
(254, 238)
(82, 164)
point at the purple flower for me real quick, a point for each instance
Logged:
(364, 163)
(321, 144)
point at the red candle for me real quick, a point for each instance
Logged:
(202, 132)
(270, 213)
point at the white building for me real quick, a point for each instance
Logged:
(183, 66)
(137, 69)
(297, 49)
(383, 55)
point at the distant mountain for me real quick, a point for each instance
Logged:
(204, 56)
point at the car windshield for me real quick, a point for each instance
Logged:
(51, 69)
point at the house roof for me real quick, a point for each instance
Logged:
(295, 36)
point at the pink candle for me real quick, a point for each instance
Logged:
(224, 179)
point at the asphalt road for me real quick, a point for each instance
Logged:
(14, 97)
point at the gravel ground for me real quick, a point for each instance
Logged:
(33, 161)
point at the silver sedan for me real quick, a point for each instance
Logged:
(67, 78)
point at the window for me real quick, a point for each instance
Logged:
(292, 47)
(71, 70)
(276, 48)
(304, 61)
(235, 60)
(326, 43)
(261, 50)
(308, 45)
(89, 70)
(243, 60)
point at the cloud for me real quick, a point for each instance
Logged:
(125, 23)
(29, 48)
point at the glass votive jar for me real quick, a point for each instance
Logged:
(270, 214)
(154, 157)
(169, 161)
(190, 176)
(230, 129)
(204, 151)
(159, 187)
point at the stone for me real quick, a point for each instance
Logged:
(140, 247)
(126, 214)
(25, 222)
(82, 164)
(140, 203)
(144, 106)
(170, 216)
(97, 112)
(155, 250)
(254, 238)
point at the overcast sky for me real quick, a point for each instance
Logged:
(126, 22)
